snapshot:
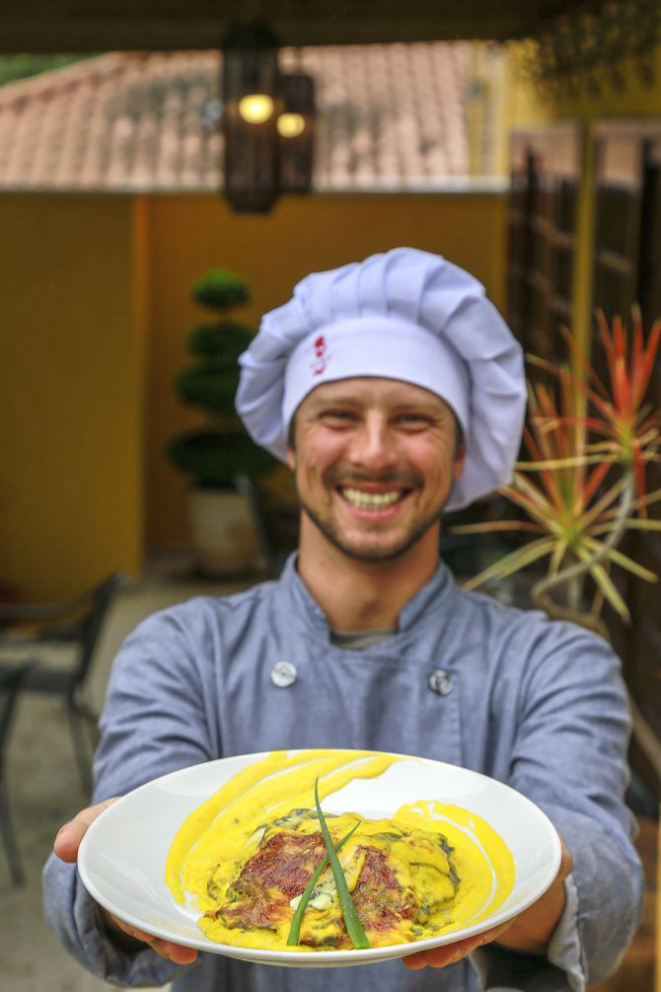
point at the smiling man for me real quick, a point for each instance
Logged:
(394, 390)
(375, 463)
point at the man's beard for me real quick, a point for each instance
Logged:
(374, 554)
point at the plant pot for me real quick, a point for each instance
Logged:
(223, 533)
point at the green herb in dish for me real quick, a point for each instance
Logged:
(295, 928)
(353, 924)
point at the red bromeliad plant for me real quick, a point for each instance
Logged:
(584, 483)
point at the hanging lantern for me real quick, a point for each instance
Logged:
(296, 132)
(252, 105)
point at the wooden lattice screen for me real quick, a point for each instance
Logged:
(546, 167)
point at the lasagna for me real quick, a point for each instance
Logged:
(402, 881)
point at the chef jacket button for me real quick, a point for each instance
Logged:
(283, 674)
(441, 682)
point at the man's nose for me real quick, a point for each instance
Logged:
(373, 446)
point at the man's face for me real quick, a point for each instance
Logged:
(374, 461)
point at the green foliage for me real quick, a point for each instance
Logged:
(213, 457)
(210, 388)
(220, 289)
(222, 342)
(216, 454)
(577, 486)
(23, 64)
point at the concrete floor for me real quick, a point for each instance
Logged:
(44, 791)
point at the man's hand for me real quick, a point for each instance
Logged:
(439, 957)
(529, 932)
(66, 847)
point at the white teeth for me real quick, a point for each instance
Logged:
(371, 501)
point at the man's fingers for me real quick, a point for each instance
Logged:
(70, 835)
(175, 952)
(166, 948)
(66, 847)
(440, 957)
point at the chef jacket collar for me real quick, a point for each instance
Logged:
(300, 603)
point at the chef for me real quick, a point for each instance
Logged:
(394, 391)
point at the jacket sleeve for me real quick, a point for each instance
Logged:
(569, 757)
(158, 717)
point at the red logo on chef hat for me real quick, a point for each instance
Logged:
(321, 358)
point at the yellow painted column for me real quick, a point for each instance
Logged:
(475, 111)
(581, 317)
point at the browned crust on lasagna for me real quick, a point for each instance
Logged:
(279, 871)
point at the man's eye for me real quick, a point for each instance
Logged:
(338, 415)
(413, 419)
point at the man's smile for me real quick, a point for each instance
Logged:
(366, 500)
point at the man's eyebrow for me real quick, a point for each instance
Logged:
(424, 406)
(347, 400)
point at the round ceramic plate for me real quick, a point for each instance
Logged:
(123, 854)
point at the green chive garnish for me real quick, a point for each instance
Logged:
(295, 928)
(353, 924)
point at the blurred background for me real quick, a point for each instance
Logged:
(148, 218)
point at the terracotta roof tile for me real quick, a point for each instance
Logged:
(388, 116)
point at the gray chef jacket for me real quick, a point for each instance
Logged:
(536, 704)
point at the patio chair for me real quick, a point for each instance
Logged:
(12, 678)
(61, 649)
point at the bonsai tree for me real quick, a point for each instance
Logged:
(216, 454)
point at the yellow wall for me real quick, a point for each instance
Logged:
(189, 234)
(95, 316)
(70, 414)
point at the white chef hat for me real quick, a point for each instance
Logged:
(408, 315)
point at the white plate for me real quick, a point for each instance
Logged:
(123, 854)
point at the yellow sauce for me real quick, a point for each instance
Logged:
(456, 867)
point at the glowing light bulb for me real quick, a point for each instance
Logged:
(256, 108)
(291, 125)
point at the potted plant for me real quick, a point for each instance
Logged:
(219, 454)
(583, 486)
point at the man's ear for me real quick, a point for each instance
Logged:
(291, 458)
(459, 462)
